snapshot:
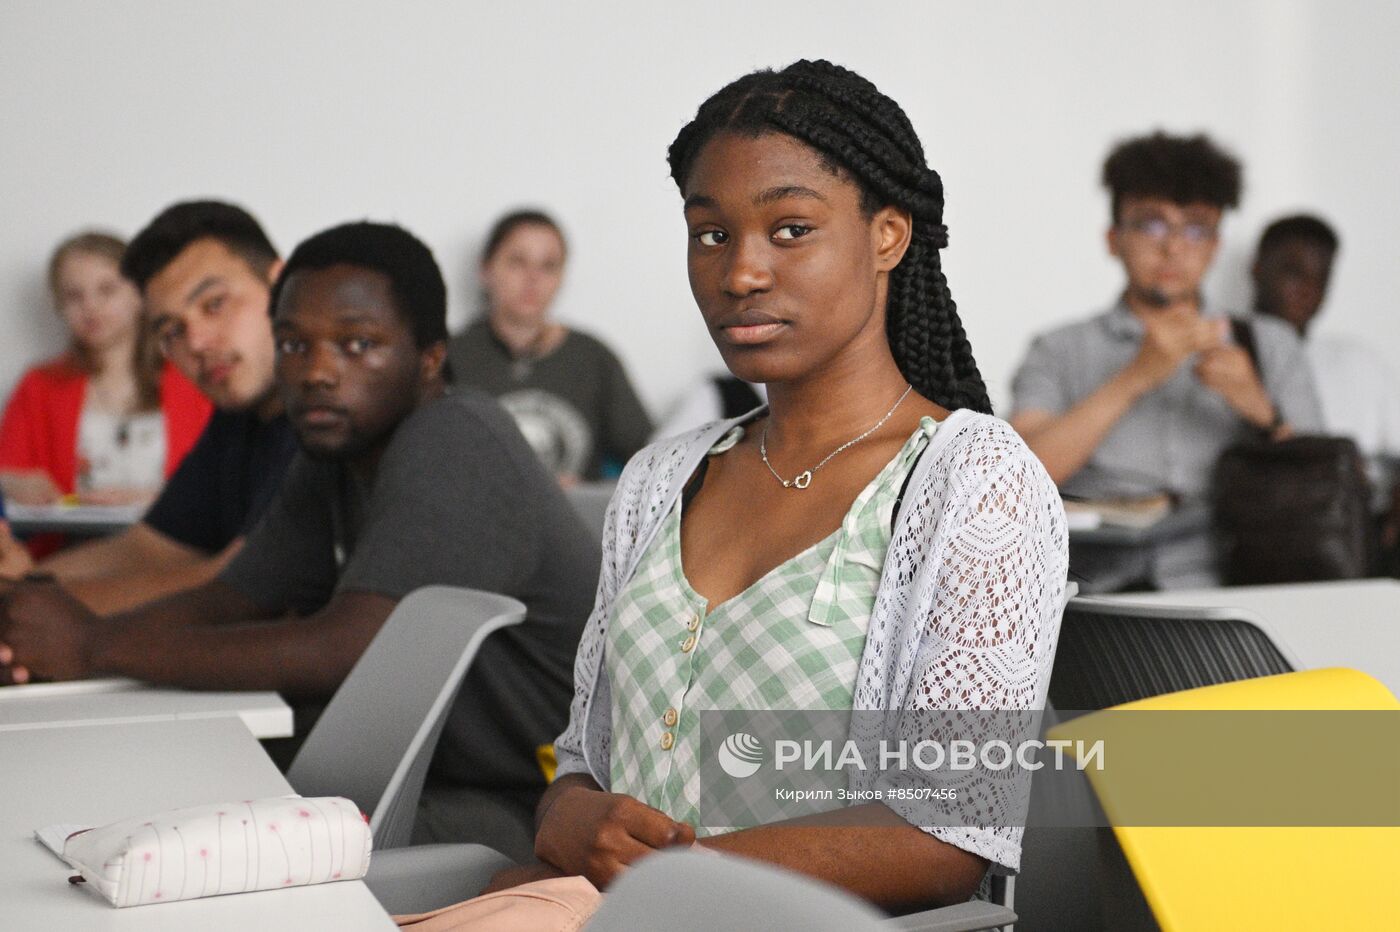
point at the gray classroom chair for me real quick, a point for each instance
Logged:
(422, 878)
(687, 891)
(673, 890)
(1113, 651)
(590, 500)
(373, 742)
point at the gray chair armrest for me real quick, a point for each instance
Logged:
(684, 891)
(962, 917)
(427, 877)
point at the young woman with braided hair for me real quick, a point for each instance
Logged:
(873, 540)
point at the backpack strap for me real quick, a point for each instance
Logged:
(736, 396)
(899, 500)
(1243, 333)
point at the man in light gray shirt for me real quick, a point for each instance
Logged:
(1142, 398)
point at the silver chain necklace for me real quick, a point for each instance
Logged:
(804, 478)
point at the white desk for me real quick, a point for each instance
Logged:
(116, 702)
(78, 520)
(99, 774)
(1352, 623)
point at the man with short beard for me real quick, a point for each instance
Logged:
(205, 270)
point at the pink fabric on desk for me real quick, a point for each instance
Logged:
(559, 904)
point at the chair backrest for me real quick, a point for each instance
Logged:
(423, 878)
(1256, 877)
(590, 500)
(1111, 651)
(1001, 888)
(1072, 874)
(686, 891)
(373, 742)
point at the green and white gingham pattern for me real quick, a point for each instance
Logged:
(792, 640)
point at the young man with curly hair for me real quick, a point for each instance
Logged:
(1142, 398)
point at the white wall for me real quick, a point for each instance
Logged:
(442, 114)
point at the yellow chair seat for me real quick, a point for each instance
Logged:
(1291, 877)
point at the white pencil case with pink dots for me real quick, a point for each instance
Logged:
(260, 844)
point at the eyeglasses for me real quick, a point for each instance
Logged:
(1157, 230)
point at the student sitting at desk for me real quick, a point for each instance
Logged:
(399, 484)
(565, 388)
(1143, 398)
(1360, 391)
(873, 540)
(108, 420)
(205, 269)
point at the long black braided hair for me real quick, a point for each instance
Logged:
(860, 133)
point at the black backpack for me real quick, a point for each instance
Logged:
(1294, 510)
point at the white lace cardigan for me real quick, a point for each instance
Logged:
(965, 617)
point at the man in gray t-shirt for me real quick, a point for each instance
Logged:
(1143, 398)
(398, 484)
(458, 499)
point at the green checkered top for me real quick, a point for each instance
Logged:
(792, 640)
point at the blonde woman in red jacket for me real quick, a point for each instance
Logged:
(108, 420)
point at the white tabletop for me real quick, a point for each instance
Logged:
(95, 775)
(117, 701)
(1351, 623)
(82, 520)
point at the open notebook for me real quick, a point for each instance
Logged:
(1136, 513)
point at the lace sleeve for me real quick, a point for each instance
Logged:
(568, 747)
(998, 536)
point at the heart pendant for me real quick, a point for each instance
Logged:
(803, 480)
